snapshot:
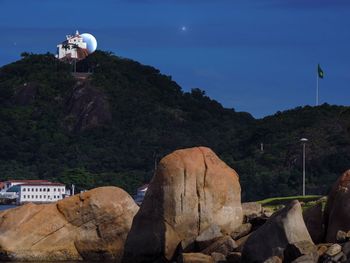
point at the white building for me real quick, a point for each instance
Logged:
(35, 191)
(140, 195)
(41, 193)
(73, 48)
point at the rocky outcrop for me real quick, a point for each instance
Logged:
(92, 225)
(337, 211)
(283, 228)
(313, 218)
(191, 191)
(86, 108)
(26, 94)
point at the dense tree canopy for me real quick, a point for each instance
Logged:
(152, 116)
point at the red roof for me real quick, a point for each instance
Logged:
(27, 181)
(44, 184)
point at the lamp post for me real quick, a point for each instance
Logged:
(304, 141)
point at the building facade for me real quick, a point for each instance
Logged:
(34, 191)
(41, 193)
(73, 48)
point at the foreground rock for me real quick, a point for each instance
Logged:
(283, 228)
(337, 211)
(191, 191)
(313, 218)
(92, 225)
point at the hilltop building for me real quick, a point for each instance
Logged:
(73, 48)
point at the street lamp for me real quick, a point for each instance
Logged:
(304, 141)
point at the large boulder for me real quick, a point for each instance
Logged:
(337, 211)
(284, 227)
(191, 191)
(313, 218)
(92, 225)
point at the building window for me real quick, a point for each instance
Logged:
(54, 189)
(24, 189)
(40, 196)
(32, 196)
(59, 189)
(40, 190)
(48, 189)
(36, 189)
(24, 196)
(32, 189)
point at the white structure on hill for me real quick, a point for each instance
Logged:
(73, 48)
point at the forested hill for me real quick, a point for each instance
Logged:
(113, 127)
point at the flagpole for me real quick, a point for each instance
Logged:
(317, 88)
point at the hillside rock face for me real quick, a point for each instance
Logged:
(87, 108)
(191, 191)
(92, 225)
(337, 211)
(283, 228)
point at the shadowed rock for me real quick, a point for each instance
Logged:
(337, 211)
(284, 227)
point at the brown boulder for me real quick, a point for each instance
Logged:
(337, 211)
(92, 225)
(224, 245)
(284, 227)
(194, 258)
(191, 190)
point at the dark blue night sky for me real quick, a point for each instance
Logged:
(258, 56)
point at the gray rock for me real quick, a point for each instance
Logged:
(218, 257)
(241, 231)
(346, 248)
(313, 218)
(299, 249)
(223, 245)
(284, 227)
(338, 257)
(334, 250)
(341, 236)
(208, 236)
(305, 259)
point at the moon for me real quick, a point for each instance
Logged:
(90, 41)
(184, 28)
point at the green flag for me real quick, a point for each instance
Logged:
(320, 72)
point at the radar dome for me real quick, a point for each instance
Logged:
(90, 41)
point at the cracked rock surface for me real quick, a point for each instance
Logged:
(92, 225)
(191, 191)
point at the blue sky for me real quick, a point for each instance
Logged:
(258, 56)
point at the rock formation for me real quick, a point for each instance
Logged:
(284, 227)
(337, 211)
(191, 191)
(92, 225)
(86, 108)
